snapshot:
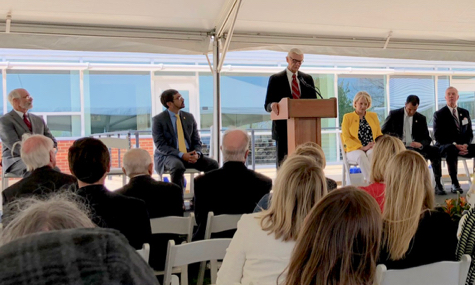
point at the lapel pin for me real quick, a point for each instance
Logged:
(416, 121)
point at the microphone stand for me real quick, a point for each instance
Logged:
(310, 86)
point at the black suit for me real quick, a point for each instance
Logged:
(277, 89)
(112, 210)
(232, 189)
(41, 181)
(162, 200)
(394, 125)
(446, 133)
(166, 155)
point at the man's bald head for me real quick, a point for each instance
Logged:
(137, 161)
(235, 145)
(37, 151)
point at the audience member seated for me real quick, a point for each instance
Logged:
(386, 147)
(261, 248)
(89, 162)
(162, 199)
(359, 130)
(232, 189)
(16, 123)
(74, 256)
(413, 233)
(339, 241)
(310, 149)
(56, 211)
(37, 152)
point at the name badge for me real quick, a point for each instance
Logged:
(464, 121)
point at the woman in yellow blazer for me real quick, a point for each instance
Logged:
(359, 131)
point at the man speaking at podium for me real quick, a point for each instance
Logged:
(290, 83)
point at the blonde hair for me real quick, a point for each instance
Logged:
(409, 194)
(57, 211)
(362, 94)
(299, 185)
(314, 150)
(339, 241)
(385, 148)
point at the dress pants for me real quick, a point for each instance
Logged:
(432, 153)
(450, 152)
(364, 161)
(282, 150)
(177, 167)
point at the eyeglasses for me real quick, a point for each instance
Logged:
(295, 61)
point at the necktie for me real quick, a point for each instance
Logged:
(181, 136)
(27, 122)
(295, 88)
(454, 114)
(407, 132)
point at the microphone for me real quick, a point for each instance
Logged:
(310, 86)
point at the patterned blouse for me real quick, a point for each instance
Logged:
(365, 134)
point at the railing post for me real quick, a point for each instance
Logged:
(253, 149)
(137, 143)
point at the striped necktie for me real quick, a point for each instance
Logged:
(27, 122)
(454, 114)
(181, 136)
(295, 88)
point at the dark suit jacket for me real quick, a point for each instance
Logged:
(165, 138)
(232, 189)
(162, 199)
(12, 127)
(115, 211)
(394, 126)
(279, 88)
(41, 181)
(445, 129)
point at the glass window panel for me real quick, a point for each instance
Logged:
(466, 88)
(423, 86)
(206, 100)
(65, 126)
(443, 83)
(117, 101)
(52, 91)
(329, 144)
(349, 85)
(325, 82)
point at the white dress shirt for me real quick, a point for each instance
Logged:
(289, 77)
(404, 126)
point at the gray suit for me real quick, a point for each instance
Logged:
(166, 152)
(12, 128)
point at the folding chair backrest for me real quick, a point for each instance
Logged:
(439, 273)
(220, 223)
(144, 252)
(174, 225)
(119, 143)
(187, 253)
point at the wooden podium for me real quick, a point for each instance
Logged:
(304, 119)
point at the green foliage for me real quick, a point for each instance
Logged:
(345, 104)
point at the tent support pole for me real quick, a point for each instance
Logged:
(216, 102)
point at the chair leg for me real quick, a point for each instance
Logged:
(184, 275)
(467, 172)
(214, 271)
(343, 182)
(201, 274)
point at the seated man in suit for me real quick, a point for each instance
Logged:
(89, 162)
(232, 189)
(37, 152)
(453, 134)
(411, 127)
(162, 199)
(16, 123)
(176, 137)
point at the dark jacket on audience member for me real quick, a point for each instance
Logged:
(41, 181)
(125, 214)
(232, 189)
(435, 240)
(162, 200)
(264, 202)
(75, 256)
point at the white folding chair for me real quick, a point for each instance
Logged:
(355, 179)
(187, 253)
(217, 224)
(144, 252)
(119, 144)
(439, 273)
(173, 225)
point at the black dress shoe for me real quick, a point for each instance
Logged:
(439, 190)
(456, 189)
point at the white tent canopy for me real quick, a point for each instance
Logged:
(423, 29)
